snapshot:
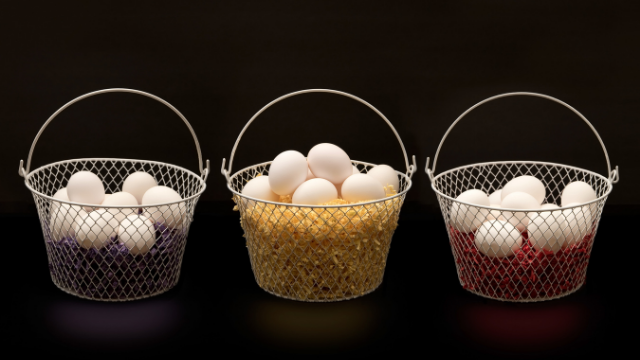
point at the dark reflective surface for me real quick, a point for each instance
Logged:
(420, 307)
(91, 324)
(562, 326)
(294, 326)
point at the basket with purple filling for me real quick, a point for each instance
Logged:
(114, 229)
(116, 247)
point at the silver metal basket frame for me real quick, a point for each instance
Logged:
(204, 169)
(450, 171)
(446, 202)
(235, 187)
(44, 167)
(613, 174)
(64, 278)
(226, 172)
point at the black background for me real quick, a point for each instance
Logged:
(421, 64)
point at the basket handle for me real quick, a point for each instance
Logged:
(203, 171)
(613, 173)
(410, 168)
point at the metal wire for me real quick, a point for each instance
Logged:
(613, 174)
(317, 253)
(85, 248)
(553, 246)
(204, 170)
(226, 172)
(520, 255)
(114, 253)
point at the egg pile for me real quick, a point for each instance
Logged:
(507, 254)
(324, 175)
(498, 233)
(101, 220)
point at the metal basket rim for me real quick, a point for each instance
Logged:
(403, 192)
(43, 167)
(601, 198)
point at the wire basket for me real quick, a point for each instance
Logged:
(317, 253)
(86, 256)
(537, 255)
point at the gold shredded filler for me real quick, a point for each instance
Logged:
(319, 254)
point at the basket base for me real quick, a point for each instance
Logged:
(322, 300)
(546, 298)
(139, 297)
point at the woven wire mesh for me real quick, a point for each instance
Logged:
(320, 253)
(517, 256)
(87, 256)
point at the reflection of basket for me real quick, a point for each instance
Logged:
(92, 262)
(552, 259)
(317, 253)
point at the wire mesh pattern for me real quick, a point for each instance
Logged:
(320, 253)
(98, 253)
(518, 256)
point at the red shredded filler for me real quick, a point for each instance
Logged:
(529, 274)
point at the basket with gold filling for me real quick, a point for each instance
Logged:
(318, 227)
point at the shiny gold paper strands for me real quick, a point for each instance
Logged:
(319, 254)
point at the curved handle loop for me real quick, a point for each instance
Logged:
(227, 173)
(204, 171)
(613, 173)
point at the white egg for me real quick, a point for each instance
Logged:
(579, 192)
(467, 218)
(61, 194)
(330, 162)
(170, 215)
(138, 183)
(548, 230)
(339, 186)
(496, 197)
(85, 187)
(361, 187)
(63, 219)
(386, 176)
(548, 206)
(315, 192)
(96, 229)
(579, 222)
(519, 200)
(495, 214)
(287, 171)
(106, 196)
(474, 196)
(527, 184)
(121, 199)
(137, 233)
(310, 175)
(497, 238)
(258, 188)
